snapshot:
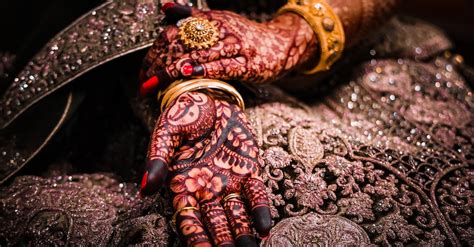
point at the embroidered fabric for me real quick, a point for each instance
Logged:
(390, 148)
(79, 210)
(385, 156)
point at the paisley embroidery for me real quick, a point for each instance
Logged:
(305, 146)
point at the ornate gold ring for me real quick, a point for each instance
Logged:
(197, 33)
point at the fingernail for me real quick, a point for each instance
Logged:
(144, 181)
(149, 85)
(167, 6)
(187, 70)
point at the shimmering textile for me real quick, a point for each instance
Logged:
(380, 154)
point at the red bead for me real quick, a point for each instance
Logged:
(167, 6)
(187, 70)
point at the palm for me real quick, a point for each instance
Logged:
(210, 152)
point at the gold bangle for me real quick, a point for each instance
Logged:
(326, 25)
(179, 87)
(175, 215)
(231, 196)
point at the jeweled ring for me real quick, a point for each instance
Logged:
(197, 33)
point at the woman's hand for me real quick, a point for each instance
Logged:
(246, 51)
(208, 148)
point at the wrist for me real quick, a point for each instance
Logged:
(301, 47)
(311, 53)
(326, 26)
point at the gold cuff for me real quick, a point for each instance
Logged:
(175, 215)
(326, 25)
(179, 87)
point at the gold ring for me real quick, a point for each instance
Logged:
(175, 215)
(231, 196)
(197, 33)
(179, 87)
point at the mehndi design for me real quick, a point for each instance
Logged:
(209, 149)
(246, 51)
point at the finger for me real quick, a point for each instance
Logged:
(239, 222)
(191, 229)
(183, 67)
(154, 178)
(165, 50)
(217, 225)
(235, 68)
(189, 223)
(222, 69)
(164, 77)
(168, 49)
(153, 54)
(163, 142)
(227, 47)
(255, 192)
(180, 69)
(175, 12)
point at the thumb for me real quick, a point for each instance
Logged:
(162, 144)
(155, 176)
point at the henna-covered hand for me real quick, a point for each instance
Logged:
(246, 51)
(208, 148)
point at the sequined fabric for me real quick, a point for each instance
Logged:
(381, 156)
(78, 210)
(389, 148)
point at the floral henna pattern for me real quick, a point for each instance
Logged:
(247, 51)
(209, 150)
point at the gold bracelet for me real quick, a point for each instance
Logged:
(326, 25)
(179, 87)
